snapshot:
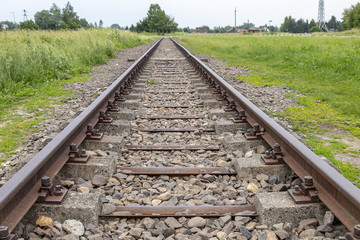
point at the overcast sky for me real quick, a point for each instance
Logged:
(190, 13)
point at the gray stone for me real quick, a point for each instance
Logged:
(168, 232)
(209, 199)
(108, 208)
(260, 149)
(172, 222)
(197, 222)
(120, 176)
(245, 232)
(69, 237)
(228, 227)
(282, 234)
(308, 233)
(149, 223)
(324, 228)
(307, 222)
(224, 220)
(136, 232)
(209, 177)
(98, 180)
(280, 187)
(261, 235)
(74, 227)
(270, 235)
(329, 218)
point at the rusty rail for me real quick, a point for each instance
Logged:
(22, 190)
(334, 190)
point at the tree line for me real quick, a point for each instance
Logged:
(157, 21)
(55, 19)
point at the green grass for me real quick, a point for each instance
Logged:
(326, 70)
(35, 65)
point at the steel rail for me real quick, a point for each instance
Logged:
(22, 190)
(335, 191)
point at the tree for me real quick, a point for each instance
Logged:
(156, 21)
(132, 28)
(273, 28)
(70, 17)
(315, 29)
(289, 25)
(351, 17)
(29, 24)
(84, 23)
(55, 18)
(312, 24)
(333, 24)
(115, 25)
(101, 24)
(186, 29)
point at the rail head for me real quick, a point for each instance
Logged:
(20, 192)
(334, 190)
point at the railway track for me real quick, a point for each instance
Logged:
(172, 150)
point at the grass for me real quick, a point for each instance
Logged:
(325, 70)
(35, 65)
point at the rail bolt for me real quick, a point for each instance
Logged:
(4, 233)
(58, 190)
(277, 148)
(256, 127)
(83, 153)
(90, 128)
(357, 231)
(267, 154)
(45, 181)
(73, 147)
(308, 180)
(297, 190)
(242, 113)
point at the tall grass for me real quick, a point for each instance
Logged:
(32, 57)
(35, 65)
(326, 67)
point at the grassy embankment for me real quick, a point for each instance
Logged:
(325, 69)
(34, 65)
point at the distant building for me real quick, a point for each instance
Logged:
(254, 30)
(232, 30)
(264, 29)
(4, 27)
(202, 30)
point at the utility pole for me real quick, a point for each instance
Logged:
(235, 18)
(13, 17)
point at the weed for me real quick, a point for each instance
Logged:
(151, 81)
